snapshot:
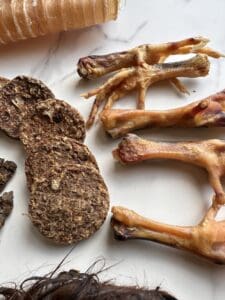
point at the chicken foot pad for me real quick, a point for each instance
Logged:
(206, 239)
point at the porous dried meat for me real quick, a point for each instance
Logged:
(16, 99)
(70, 205)
(52, 153)
(50, 118)
(6, 206)
(7, 170)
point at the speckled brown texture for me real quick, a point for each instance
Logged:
(69, 205)
(6, 206)
(16, 99)
(50, 118)
(56, 152)
(7, 170)
(3, 81)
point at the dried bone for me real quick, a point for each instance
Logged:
(206, 239)
(208, 112)
(208, 154)
(94, 66)
(141, 77)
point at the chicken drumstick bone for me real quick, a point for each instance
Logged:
(207, 239)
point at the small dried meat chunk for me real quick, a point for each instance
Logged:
(7, 170)
(6, 206)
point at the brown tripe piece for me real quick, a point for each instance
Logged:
(7, 170)
(50, 118)
(69, 205)
(3, 81)
(16, 99)
(6, 206)
(56, 152)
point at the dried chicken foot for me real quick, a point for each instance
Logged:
(208, 112)
(209, 154)
(95, 66)
(142, 77)
(207, 239)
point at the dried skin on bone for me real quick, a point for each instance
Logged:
(94, 66)
(133, 63)
(206, 239)
(208, 112)
(141, 78)
(209, 154)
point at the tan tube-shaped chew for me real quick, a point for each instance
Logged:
(23, 19)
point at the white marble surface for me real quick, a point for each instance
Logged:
(166, 191)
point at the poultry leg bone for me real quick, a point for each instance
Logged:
(209, 112)
(209, 154)
(207, 239)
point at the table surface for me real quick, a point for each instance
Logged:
(166, 191)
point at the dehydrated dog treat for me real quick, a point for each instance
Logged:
(50, 118)
(3, 81)
(7, 170)
(16, 99)
(6, 206)
(208, 112)
(50, 154)
(70, 205)
(75, 285)
(94, 66)
(139, 68)
(22, 19)
(206, 239)
(141, 78)
(208, 154)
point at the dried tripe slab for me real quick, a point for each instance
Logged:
(69, 204)
(52, 118)
(50, 153)
(17, 98)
